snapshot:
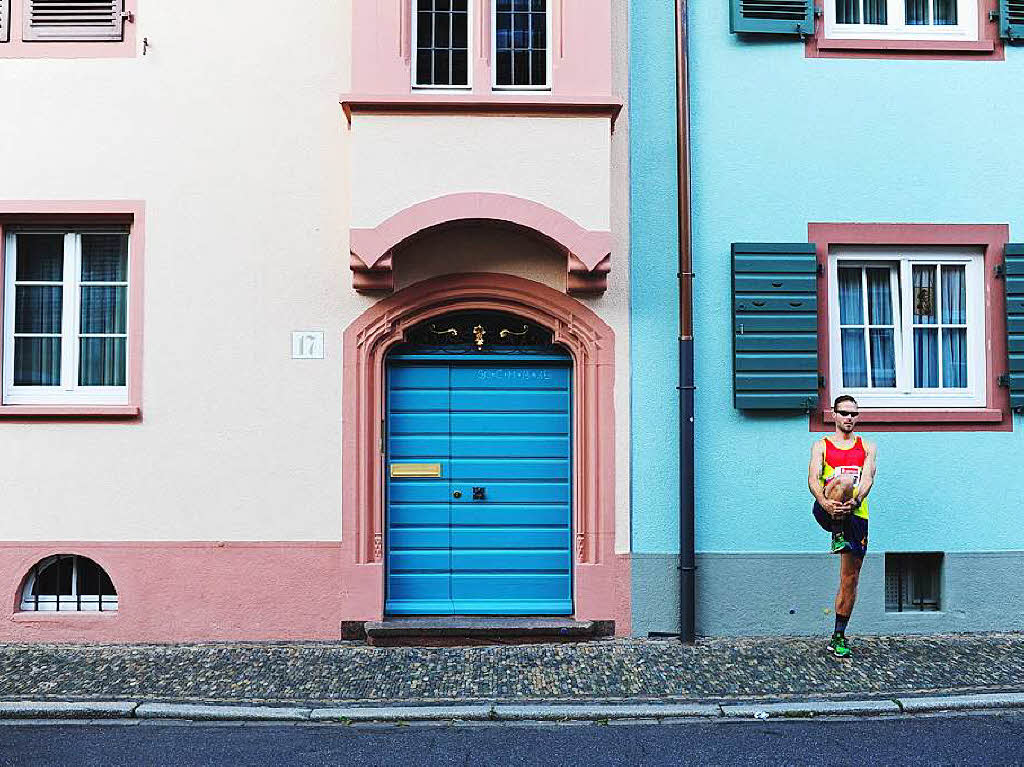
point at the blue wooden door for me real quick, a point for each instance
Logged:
(491, 535)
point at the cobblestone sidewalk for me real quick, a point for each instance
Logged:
(637, 670)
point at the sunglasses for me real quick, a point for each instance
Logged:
(847, 413)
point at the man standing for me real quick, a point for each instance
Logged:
(840, 475)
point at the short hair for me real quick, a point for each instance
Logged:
(843, 398)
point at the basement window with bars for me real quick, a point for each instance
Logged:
(440, 30)
(68, 583)
(901, 20)
(913, 582)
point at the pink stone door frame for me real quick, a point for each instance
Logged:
(601, 578)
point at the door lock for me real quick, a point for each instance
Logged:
(478, 493)
(457, 494)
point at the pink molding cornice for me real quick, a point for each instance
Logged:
(587, 251)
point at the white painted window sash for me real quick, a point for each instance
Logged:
(69, 391)
(548, 14)
(470, 37)
(896, 29)
(905, 394)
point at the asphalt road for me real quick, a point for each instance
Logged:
(996, 739)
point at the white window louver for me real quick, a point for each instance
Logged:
(83, 20)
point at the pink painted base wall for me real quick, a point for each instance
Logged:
(210, 591)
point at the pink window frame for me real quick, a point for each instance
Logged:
(16, 48)
(996, 414)
(128, 212)
(581, 54)
(988, 46)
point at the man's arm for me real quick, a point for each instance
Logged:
(867, 475)
(814, 479)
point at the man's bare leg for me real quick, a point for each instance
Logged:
(849, 576)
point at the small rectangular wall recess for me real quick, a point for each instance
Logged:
(415, 470)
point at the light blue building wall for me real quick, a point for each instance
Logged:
(780, 140)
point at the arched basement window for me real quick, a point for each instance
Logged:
(68, 583)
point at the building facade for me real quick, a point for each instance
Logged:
(309, 328)
(854, 208)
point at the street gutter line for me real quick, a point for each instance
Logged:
(119, 710)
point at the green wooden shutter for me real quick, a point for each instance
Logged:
(775, 326)
(1013, 271)
(1011, 20)
(774, 17)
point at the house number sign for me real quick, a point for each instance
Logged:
(307, 345)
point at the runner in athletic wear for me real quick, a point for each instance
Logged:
(840, 475)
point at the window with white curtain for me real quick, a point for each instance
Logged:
(901, 19)
(907, 326)
(65, 305)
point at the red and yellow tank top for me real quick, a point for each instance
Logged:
(845, 462)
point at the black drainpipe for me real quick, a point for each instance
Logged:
(687, 559)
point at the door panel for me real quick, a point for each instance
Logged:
(502, 429)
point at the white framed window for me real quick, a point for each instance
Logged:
(66, 316)
(442, 45)
(521, 44)
(907, 326)
(68, 583)
(901, 19)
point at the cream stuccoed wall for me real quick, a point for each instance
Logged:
(250, 178)
(561, 162)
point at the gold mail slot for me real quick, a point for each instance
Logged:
(415, 470)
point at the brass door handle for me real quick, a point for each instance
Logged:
(457, 494)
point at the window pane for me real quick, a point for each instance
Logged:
(879, 297)
(460, 30)
(876, 12)
(37, 308)
(54, 578)
(538, 31)
(37, 361)
(924, 295)
(917, 11)
(424, 66)
(102, 362)
(423, 21)
(40, 257)
(521, 30)
(442, 5)
(883, 358)
(460, 67)
(539, 68)
(504, 76)
(442, 36)
(945, 12)
(104, 257)
(954, 357)
(855, 364)
(926, 358)
(441, 76)
(520, 68)
(954, 295)
(848, 11)
(104, 309)
(851, 305)
(539, 5)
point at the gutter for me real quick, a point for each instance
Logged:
(687, 558)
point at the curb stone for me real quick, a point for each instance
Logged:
(38, 709)
(132, 712)
(811, 708)
(592, 712)
(402, 714)
(219, 713)
(963, 702)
